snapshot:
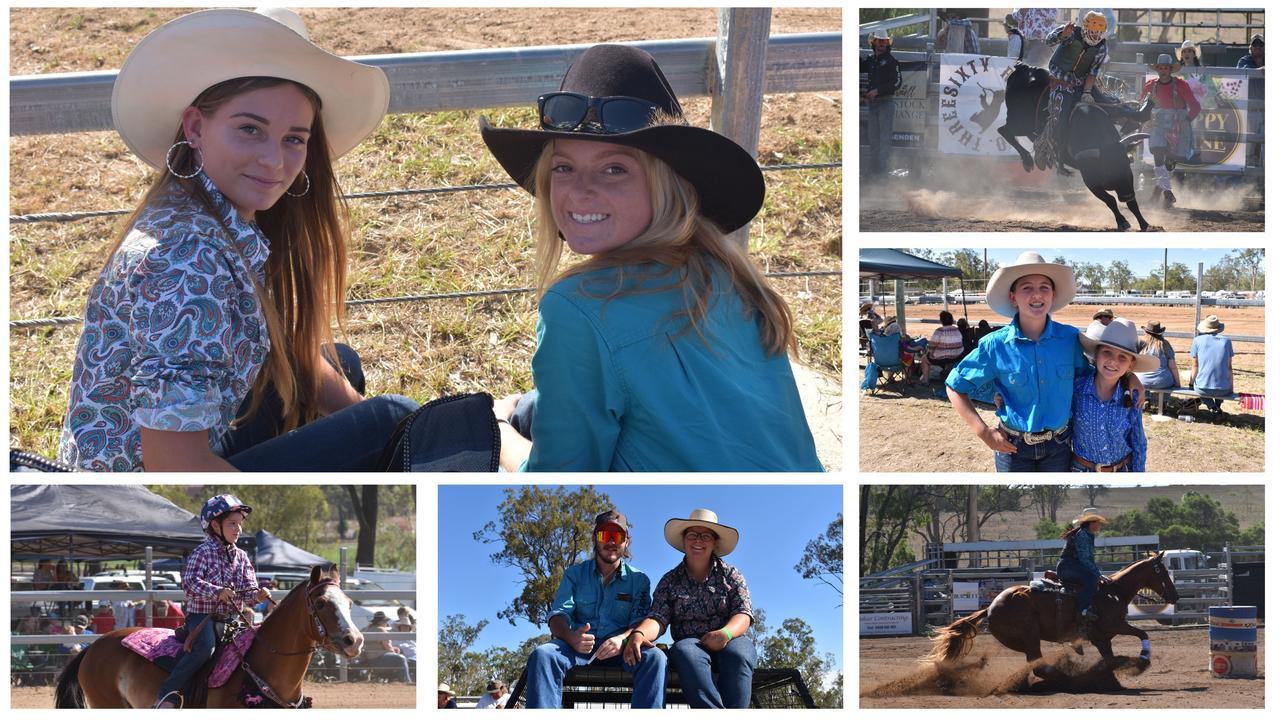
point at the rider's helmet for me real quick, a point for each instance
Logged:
(1095, 27)
(220, 505)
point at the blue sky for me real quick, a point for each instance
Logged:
(1141, 261)
(774, 523)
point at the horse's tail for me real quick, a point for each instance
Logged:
(69, 694)
(954, 641)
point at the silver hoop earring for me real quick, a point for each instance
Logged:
(304, 192)
(168, 160)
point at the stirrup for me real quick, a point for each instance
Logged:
(165, 699)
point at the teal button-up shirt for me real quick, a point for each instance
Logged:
(1034, 378)
(583, 598)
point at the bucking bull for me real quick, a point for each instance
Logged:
(1093, 145)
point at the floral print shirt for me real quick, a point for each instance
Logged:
(693, 609)
(174, 334)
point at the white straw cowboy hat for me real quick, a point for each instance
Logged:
(1120, 334)
(1211, 325)
(1030, 263)
(726, 537)
(444, 688)
(177, 61)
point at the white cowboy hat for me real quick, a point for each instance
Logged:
(1120, 334)
(1211, 324)
(879, 35)
(726, 537)
(1030, 263)
(177, 61)
(444, 688)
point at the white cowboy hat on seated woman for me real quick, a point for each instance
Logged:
(726, 537)
(1030, 263)
(152, 89)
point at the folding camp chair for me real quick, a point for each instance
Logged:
(888, 360)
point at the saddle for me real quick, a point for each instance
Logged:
(1052, 584)
(163, 647)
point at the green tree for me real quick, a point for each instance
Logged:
(793, 646)
(1119, 276)
(1047, 529)
(1048, 498)
(1197, 521)
(887, 515)
(1248, 263)
(1255, 535)
(1093, 492)
(823, 557)
(364, 501)
(456, 639)
(541, 532)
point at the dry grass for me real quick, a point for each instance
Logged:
(407, 245)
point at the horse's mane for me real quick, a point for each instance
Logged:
(299, 589)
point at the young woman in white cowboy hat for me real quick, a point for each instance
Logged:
(663, 347)
(209, 334)
(1106, 424)
(1033, 362)
(706, 604)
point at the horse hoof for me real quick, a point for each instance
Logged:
(1027, 164)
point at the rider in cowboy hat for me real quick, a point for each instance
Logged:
(1106, 432)
(1073, 70)
(216, 578)
(1174, 108)
(1076, 565)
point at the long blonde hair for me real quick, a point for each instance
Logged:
(303, 296)
(678, 237)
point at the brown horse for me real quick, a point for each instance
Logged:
(1021, 618)
(315, 614)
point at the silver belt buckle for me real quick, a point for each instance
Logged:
(1036, 438)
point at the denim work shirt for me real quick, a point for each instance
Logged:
(623, 384)
(1104, 431)
(174, 334)
(583, 598)
(1034, 378)
(1083, 541)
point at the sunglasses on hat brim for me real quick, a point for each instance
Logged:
(566, 112)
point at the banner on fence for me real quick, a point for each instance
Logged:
(971, 104)
(909, 119)
(895, 623)
(1223, 108)
(964, 596)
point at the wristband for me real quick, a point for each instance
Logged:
(727, 633)
(504, 420)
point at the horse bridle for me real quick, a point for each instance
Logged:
(326, 641)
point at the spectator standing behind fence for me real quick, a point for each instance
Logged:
(495, 696)
(122, 610)
(1211, 355)
(957, 34)
(104, 618)
(1254, 61)
(884, 78)
(945, 344)
(30, 625)
(1034, 24)
(1166, 374)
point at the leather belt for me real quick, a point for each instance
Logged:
(1113, 467)
(1035, 438)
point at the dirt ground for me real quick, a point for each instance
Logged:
(1177, 678)
(324, 695)
(1235, 444)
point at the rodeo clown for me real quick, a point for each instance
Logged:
(1174, 106)
(1073, 69)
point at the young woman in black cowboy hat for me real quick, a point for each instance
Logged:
(663, 347)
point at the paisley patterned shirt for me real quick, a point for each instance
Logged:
(693, 609)
(174, 335)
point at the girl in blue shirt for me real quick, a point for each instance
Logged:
(1107, 434)
(664, 348)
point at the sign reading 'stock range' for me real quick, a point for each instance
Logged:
(971, 104)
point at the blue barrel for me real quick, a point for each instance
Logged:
(1233, 641)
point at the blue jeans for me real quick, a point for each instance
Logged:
(694, 664)
(880, 132)
(1212, 404)
(549, 662)
(351, 439)
(393, 661)
(1053, 455)
(201, 650)
(1077, 574)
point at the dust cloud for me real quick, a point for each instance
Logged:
(1063, 671)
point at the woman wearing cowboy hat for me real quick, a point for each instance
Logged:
(1106, 425)
(1076, 565)
(1165, 375)
(1211, 371)
(1175, 107)
(208, 335)
(663, 347)
(705, 602)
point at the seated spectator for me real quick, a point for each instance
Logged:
(1211, 355)
(984, 329)
(1166, 376)
(104, 620)
(403, 615)
(164, 614)
(1105, 316)
(945, 345)
(44, 576)
(380, 653)
(1255, 59)
(868, 322)
(967, 334)
(495, 696)
(408, 648)
(444, 698)
(31, 624)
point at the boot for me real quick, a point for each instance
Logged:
(1169, 199)
(1155, 192)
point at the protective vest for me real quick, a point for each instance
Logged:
(1075, 56)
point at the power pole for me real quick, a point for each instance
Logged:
(973, 513)
(1164, 276)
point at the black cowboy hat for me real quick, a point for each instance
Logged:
(729, 183)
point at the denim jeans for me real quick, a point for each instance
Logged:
(1053, 455)
(201, 650)
(1211, 403)
(549, 662)
(1077, 574)
(351, 439)
(880, 132)
(694, 664)
(392, 661)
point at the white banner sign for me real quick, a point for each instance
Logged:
(1224, 102)
(965, 596)
(884, 623)
(971, 104)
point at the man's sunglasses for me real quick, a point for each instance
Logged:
(566, 111)
(610, 537)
